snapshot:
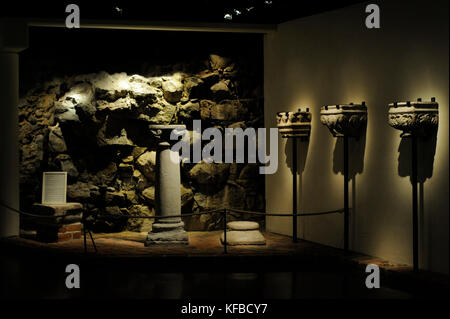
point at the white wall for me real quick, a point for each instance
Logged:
(332, 58)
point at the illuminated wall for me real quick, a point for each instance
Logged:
(333, 58)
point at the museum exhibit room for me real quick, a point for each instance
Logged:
(224, 151)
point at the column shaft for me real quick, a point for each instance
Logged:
(9, 146)
(167, 192)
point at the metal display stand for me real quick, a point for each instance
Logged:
(294, 125)
(345, 121)
(416, 120)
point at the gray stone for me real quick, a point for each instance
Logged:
(220, 91)
(26, 130)
(242, 225)
(32, 155)
(230, 196)
(140, 224)
(65, 110)
(189, 111)
(58, 214)
(132, 197)
(193, 87)
(142, 90)
(138, 151)
(56, 142)
(167, 234)
(83, 95)
(161, 112)
(217, 62)
(139, 180)
(66, 165)
(226, 110)
(213, 174)
(125, 104)
(146, 163)
(113, 210)
(187, 197)
(70, 208)
(173, 90)
(149, 195)
(110, 87)
(107, 175)
(250, 237)
(82, 192)
(79, 97)
(113, 198)
(125, 170)
(111, 133)
(128, 159)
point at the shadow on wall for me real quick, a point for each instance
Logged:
(356, 152)
(426, 149)
(302, 154)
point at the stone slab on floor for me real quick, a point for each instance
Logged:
(247, 237)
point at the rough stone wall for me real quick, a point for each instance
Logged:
(95, 127)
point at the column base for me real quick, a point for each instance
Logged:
(167, 234)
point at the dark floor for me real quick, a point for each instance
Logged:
(124, 268)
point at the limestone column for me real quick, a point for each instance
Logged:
(13, 39)
(167, 231)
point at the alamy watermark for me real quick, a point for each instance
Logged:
(73, 279)
(373, 280)
(222, 149)
(373, 19)
(73, 19)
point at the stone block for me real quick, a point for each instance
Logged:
(59, 222)
(243, 233)
(243, 225)
(239, 237)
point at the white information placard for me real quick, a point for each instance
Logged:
(54, 187)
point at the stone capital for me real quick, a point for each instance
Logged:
(344, 119)
(294, 124)
(414, 118)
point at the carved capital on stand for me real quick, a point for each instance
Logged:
(414, 118)
(294, 124)
(344, 120)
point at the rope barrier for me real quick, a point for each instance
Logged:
(220, 210)
(224, 211)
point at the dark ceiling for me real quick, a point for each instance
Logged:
(213, 11)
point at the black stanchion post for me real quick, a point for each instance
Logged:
(93, 242)
(294, 189)
(225, 231)
(414, 205)
(346, 210)
(83, 218)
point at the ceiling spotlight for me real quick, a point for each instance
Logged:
(268, 2)
(228, 16)
(237, 12)
(250, 9)
(119, 10)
